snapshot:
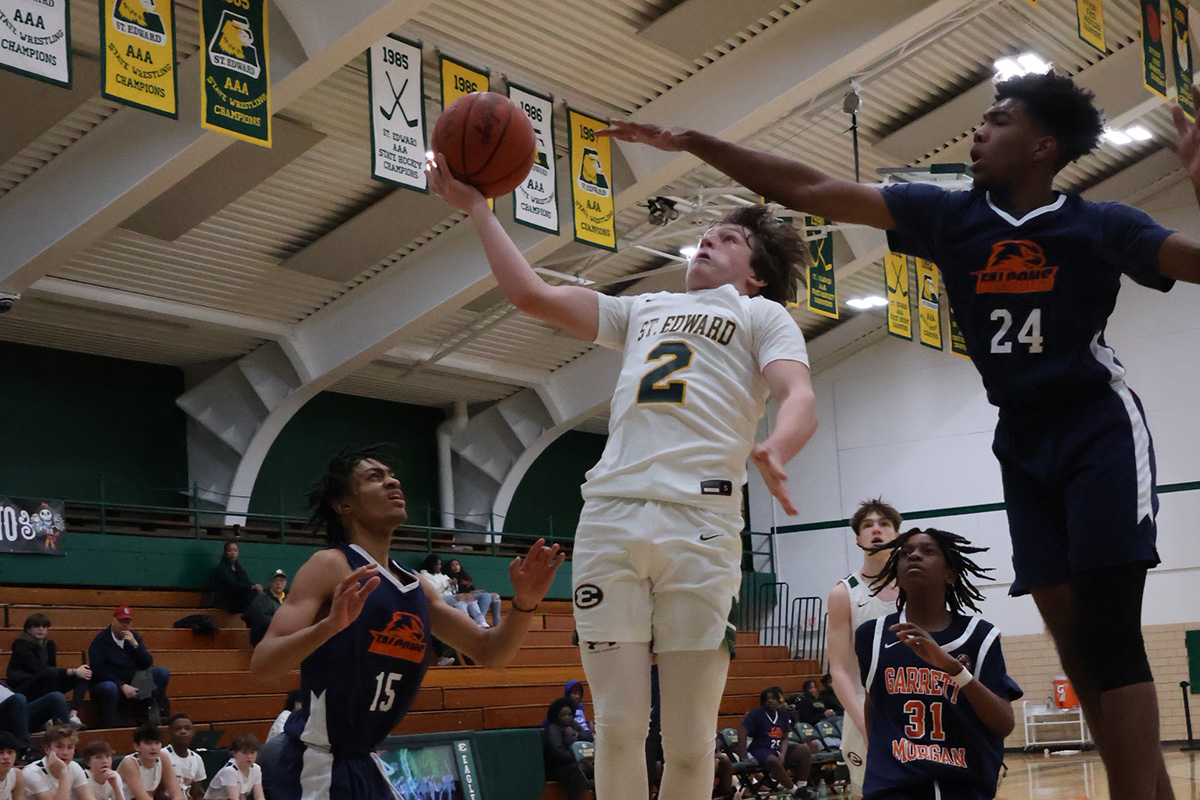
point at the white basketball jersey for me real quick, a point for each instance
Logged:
(8, 784)
(864, 607)
(690, 393)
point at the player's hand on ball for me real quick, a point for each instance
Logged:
(774, 475)
(532, 575)
(920, 642)
(350, 596)
(462, 196)
(670, 139)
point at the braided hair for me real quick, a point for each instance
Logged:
(335, 484)
(957, 551)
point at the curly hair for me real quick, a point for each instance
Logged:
(777, 253)
(875, 506)
(1066, 111)
(960, 594)
(335, 484)
(556, 708)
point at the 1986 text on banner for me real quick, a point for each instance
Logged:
(535, 201)
(591, 182)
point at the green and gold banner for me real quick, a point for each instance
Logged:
(1154, 59)
(1089, 21)
(459, 79)
(137, 40)
(822, 293)
(899, 317)
(591, 185)
(1181, 51)
(929, 307)
(35, 39)
(958, 343)
(235, 83)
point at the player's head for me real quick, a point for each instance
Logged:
(147, 740)
(9, 747)
(1038, 123)
(930, 560)
(358, 489)
(182, 730)
(97, 756)
(244, 743)
(561, 712)
(875, 523)
(294, 700)
(754, 251)
(60, 740)
(770, 698)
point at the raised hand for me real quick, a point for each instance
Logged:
(773, 474)
(350, 596)
(462, 196)
(1187, 141)
(532, 575)
(670, 139)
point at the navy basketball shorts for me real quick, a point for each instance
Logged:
(930, 791)
(1079, 488)
(310, 773)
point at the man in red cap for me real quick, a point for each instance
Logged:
(123, 670)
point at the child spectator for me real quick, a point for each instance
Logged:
(104, 781)
(188, 765)
(240, 777)
(431, 568)
(12, 782)
(34, 672)
(147, 770)
(465, 586)
(56, 776)
(560, 733)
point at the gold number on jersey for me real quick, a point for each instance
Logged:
(654, 386)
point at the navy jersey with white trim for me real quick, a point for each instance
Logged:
(1032, 296)
(358, 685)
(923, 728)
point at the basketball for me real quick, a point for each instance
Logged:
(486, 140)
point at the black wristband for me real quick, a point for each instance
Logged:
(523, 610)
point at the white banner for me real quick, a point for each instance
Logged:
(535, 202)
(35, 39)
(397, 93)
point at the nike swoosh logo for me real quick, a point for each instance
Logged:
(890, 644)
(704, 538)
(860, 605)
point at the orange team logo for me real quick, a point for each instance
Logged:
(1016, 266)
(403, 637)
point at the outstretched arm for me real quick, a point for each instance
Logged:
(795, 423)
(1179, 256)
(572, 308)
(782, 180)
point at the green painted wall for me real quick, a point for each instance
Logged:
(72, 418)
(331, 421)
(550, 489)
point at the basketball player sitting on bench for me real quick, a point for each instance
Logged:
(1032, 276)
(938, 708)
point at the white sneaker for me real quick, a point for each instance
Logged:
(75, 722)
(484, 625)
(445, 661)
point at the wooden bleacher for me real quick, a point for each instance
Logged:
(210, 681)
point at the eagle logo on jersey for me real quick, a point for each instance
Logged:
(1016, 266)
(403, 637)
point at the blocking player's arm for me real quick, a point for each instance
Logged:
(795, 422)
(325, 597)
(1179, 258)
(572, 308)
(843, 665)
(781, 180)
(531, 577)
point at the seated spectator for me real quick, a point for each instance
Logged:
(119, 659)
(562, 731)
(723, 774)
(810, 707)
(147, 771)
(573, 691)
(240, 777)
(292, 702)
(431, 568)
(57, 768)
(17, 714)
(464, 585)
(104, 781)
(34, 672)
(828, 696)
(187, 763)
(230, 585)
(264, 605)
(12, 782)
(764, 735)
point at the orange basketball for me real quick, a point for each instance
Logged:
(487, 141)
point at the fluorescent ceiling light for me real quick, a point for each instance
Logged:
(1032, 62)
(1020, 65)
(1117, 137)
(1138, 133)
(689, 251)
(873, 301)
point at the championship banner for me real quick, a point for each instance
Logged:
(137, 42)
(958, 342)
(459, 79)
(1154, 69)
(32, 526)
(899, 317)
(591, 189)
(535, 202)
(235, 83)
(822, 293)
(397, 114)
(35, 39)
(1181, 50)
(929, 311)
(1089, 22)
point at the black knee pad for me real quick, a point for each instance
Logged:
(1108, 630)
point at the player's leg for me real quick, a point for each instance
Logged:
(799, 762)
(618, 674)
(690, 685)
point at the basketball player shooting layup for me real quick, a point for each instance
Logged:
(1032, 276)
(358, 626)
(658, 548)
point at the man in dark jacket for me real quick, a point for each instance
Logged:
(33, 667)
(230, 585)
(119, 659)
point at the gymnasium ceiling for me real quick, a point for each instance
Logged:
(122, 242)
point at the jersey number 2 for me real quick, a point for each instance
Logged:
(915, 729)
(1030, 332)
(383, 689)
(654, 386)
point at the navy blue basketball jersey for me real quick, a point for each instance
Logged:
(358, 685)
(766, 729)
(1032, 296)
(923, 729)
